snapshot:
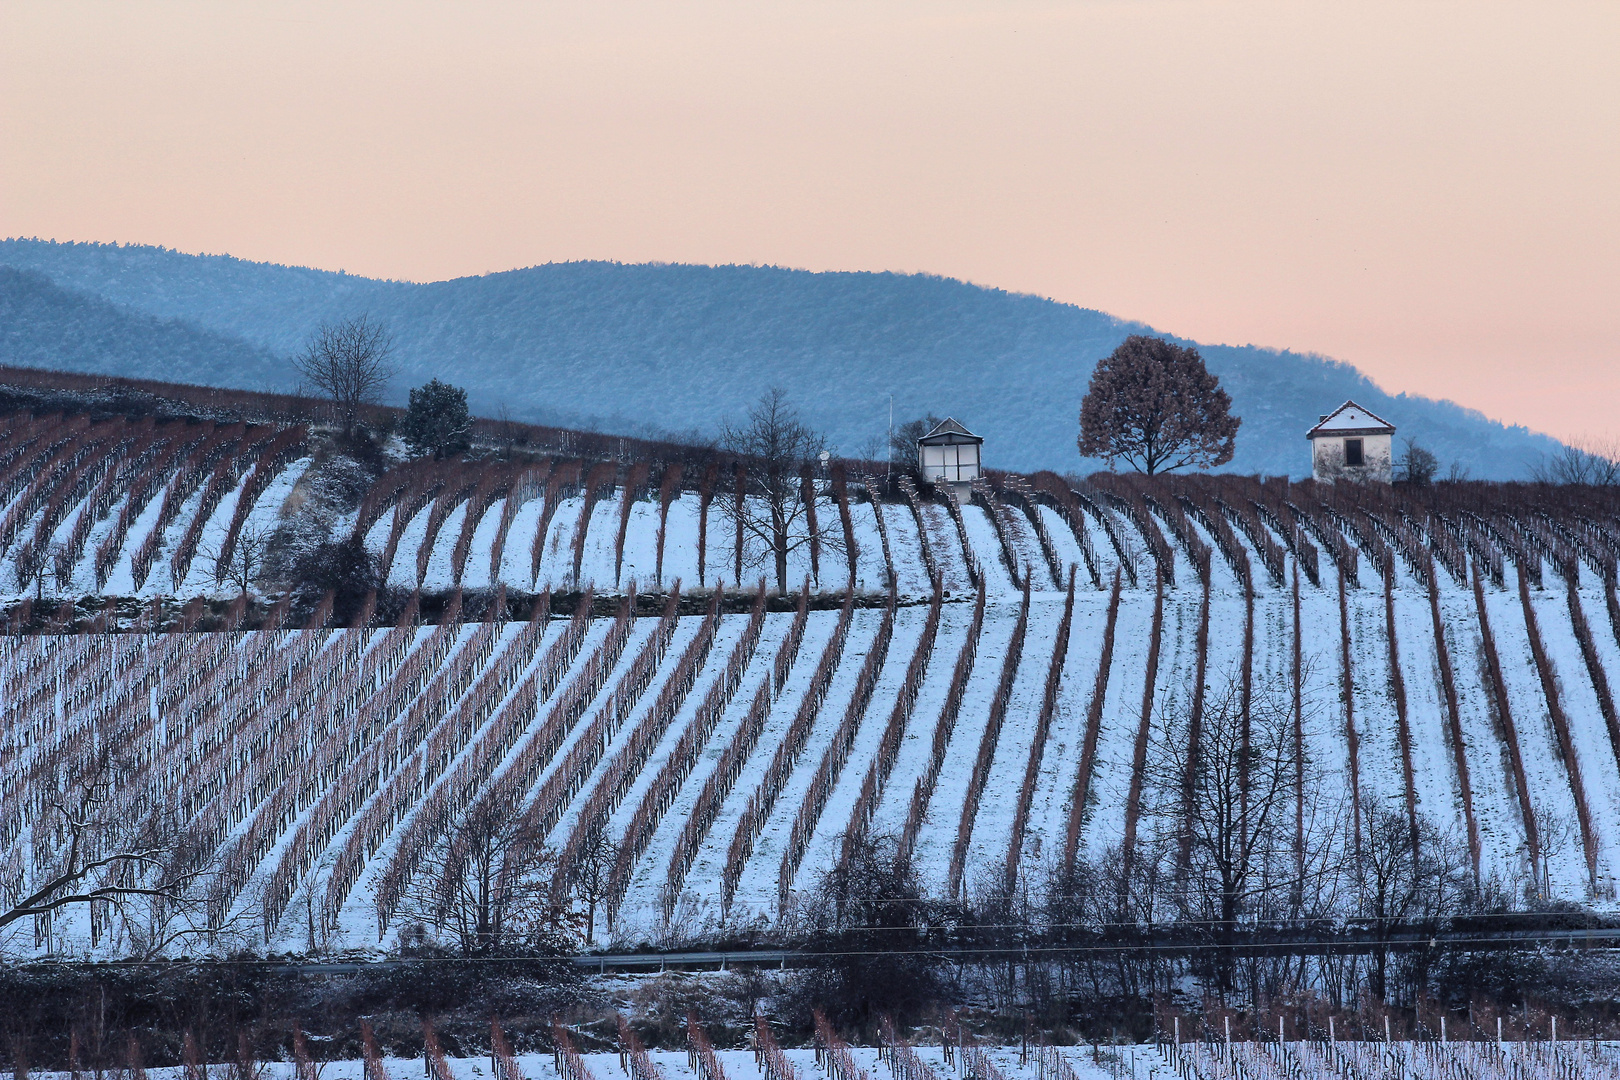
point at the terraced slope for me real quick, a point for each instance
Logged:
(999, 710)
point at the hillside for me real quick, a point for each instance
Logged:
(683, 348)
(43, 325)
(1452, 655)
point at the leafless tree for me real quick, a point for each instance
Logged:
(62, 566)
(1418, 465)
(593, 875)
(902, 446)
(1394, 884)
(240, 563)
(348, 362)
(96, 840)
(489, 885)
(774, 446)
(1581, 461)
(1227, 797)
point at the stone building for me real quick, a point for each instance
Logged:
(1352, 443)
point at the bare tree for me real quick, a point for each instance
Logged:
(98, 841)
(774, 446)
(1405, 871)
(1418, 465)
(240, 563)
(1226, 796)
(489, 884)
(593, 876)
(348, 361)
(902, 444)
(1581, 461)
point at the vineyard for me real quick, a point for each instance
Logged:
(898, 1058)
(990, 683)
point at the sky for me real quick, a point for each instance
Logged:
(1428, 190)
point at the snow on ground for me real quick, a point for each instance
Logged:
(981, 537)
(437, 573)
(557, 549)
(947, 548)
(641, 904)
(1067, 548)
(401, 573)
(475, 572)
(937, 837)
(1496, 808)
(1060, 760)
(601, 538)
(641, 547)
(685, 631)
(639, 633)
(992, 825)
(1222, 578)
(681, 542)
(1496, 805)
(909, 567)
(726, 638)
(703, 882)
(1121, 717)
(916, 748)
(756, 893)
(826, 844)
(1383, 776)
(1327, 743)
(121, 579)
(517, 555)
(872, 573)
(738, 1065)
(1594, 749)
(1434, 768)
(1026, 547)
(1550, 791)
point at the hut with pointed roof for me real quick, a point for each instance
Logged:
(949, 454)
(1352, 443)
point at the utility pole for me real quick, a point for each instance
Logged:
(888, 475)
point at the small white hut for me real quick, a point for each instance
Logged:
(1352, 443)
(950, 455)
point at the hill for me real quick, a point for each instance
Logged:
(670, 348)
(44, 325)
(1001, 687)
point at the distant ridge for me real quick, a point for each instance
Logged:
(679, 348)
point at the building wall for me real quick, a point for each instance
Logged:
(1327, 459)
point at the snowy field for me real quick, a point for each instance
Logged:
(330, 766)
(1431, 1060)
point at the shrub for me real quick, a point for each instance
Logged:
(345, 568)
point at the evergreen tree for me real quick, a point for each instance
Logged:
(437, 421)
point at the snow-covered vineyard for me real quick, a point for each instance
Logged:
(897, 1059)
(985, 681)
(127, 508)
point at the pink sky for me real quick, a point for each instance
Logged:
(1430, 191)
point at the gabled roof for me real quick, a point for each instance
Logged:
(948, 427)
(1351, 419)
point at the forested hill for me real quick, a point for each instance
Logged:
(44, 325)
(682, 348)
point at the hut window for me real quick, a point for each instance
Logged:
(1352, 452)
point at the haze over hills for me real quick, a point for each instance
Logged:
(682, 348)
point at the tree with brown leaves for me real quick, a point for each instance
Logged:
(1154, 405)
